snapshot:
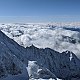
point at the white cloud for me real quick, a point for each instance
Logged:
(41, 35)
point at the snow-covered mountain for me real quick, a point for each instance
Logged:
(10, 57)
(57, 36)
(32, 62)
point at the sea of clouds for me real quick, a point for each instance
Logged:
(54, 36)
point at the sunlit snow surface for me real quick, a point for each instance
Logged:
(58, 36)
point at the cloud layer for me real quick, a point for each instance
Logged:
(54, 35)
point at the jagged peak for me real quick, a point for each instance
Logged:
(32, 46)
(68, 52)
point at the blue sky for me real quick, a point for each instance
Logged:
(39, 10)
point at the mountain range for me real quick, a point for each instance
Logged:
(24, 63)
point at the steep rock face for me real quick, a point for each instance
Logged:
(10, 57)
(64, 65)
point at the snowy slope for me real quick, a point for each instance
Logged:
(10, 58)
(57, 36)
(36, 71)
